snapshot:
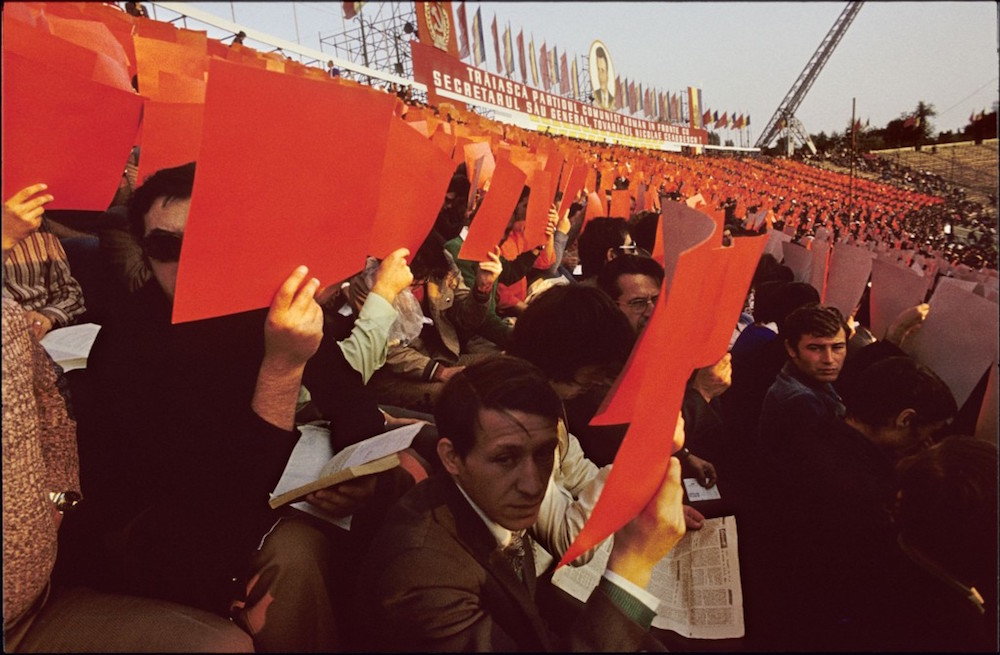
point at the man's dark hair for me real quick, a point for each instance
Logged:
(569, 327)
(948, 507)
(607, 279)
(430, 259)
(884, 389)
(451, 216)
(501, 383)
(598, 235)
(643, 226)
(167, 183)
(789, 296)
(600, 54)
(816, 320)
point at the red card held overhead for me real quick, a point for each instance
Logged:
(489, 223)
(537, 214)
(416, 175)
(171, 135)
(595, 207)
(443, 140)
(574, 182)
(77, 140)
(474, 151)
(153, 56)
(38, 45)
(270, 195)
(621, 201)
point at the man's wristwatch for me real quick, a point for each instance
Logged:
(65, 501)
(683, 454)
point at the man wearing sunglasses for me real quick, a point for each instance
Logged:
(185, 429)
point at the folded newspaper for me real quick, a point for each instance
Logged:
(698, 582)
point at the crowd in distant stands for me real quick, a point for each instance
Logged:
(136, 489)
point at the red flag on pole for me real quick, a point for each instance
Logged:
(463, 33)
(520, 55)
(496, 44)
(564, 86)
(543, 62)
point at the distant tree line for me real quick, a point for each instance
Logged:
(911, 129)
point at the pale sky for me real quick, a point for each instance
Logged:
(745, 56)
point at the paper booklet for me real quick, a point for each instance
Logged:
(313, 466)
(70, 346)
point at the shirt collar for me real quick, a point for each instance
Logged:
(500, 533)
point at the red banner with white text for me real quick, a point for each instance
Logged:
(462, 82)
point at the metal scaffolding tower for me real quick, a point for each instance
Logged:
(786, 110)
(379, 37)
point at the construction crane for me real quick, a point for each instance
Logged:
(784, 116)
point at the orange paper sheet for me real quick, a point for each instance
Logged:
(418, 174)
(591, 182)
(474, 151)
(537, 213)
(76, 140)
(270, 195)
(154, 55)
(443, 140)
(642, 459)
(574, 182)
(171, 135)
(489, 223)
(595, 207)
(621, 200)
(687, 233)
(38, 45)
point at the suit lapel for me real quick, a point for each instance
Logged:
(514, 609)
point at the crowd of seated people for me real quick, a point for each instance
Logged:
(136, 490)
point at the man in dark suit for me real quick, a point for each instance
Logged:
(604, 97)
(452, 568)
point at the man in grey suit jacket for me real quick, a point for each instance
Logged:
(440, 575)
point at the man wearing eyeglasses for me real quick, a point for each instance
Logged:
(185, 429)
(634, 282)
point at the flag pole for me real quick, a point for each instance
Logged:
(854, 145)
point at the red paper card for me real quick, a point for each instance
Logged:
(179, 88)
(77, 140)
(474, 151)
(667, 348)
(487, 227)
(537, 214)
(171, 135)
(620, 201)
(153, 56)
(288, 174)
(591, 182)
(38, 45)
(595, 207)
(443, 140)
(574, 182)
(416, 175)
(89, 34)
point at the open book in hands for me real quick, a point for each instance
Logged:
(313, 466)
